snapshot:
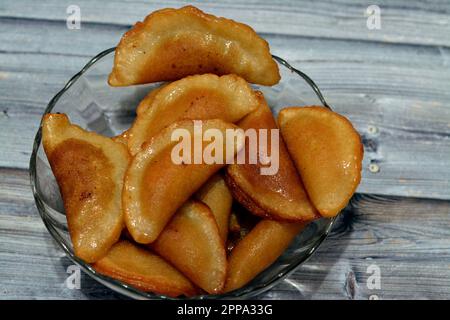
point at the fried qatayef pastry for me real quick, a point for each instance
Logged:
(279, 196)
(258, 250)
(121, 138)
(216, 195)
(173, 43)
(148, 100)
(328, 153)
(89, 169)
(144, 270)
(192, 243)
(155, 186)
(199, 97)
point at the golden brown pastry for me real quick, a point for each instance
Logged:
(121, 138)
(279, 196)
(89, 169)
(148, 100)
(216, 195)
(198, 97)
(156, 186)
(328, 153)
(192, 243)
(258, 250)
(144, 270)
(173, 43)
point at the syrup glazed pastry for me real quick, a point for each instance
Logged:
(199, 97)
(279, 196)
(89, 169)
(192, 243)
(155, 187)
(258, 250)
(148, 100)
(144, 270)
(173, 43)
(216, 195)
(328, 153)
(122, 138)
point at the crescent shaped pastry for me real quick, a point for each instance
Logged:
(144, 270)
(199, 97)
(89, 169)
(278, 196)
(156, 185)
(173, 43)
(192, 243)
(216, 195)
(258, 250)
(328, 153)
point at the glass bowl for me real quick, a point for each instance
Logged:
(91, 103)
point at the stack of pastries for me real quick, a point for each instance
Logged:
(185, 229)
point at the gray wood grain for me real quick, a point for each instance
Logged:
(396, 79)
(412, 252)
(391, 87)
(403, 21)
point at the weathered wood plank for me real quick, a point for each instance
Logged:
(402, 21)
(395, 79)
(93, 38)
(380, 85)
(412, 164)
(408, 239)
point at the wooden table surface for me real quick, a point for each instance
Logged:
(393, 83)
